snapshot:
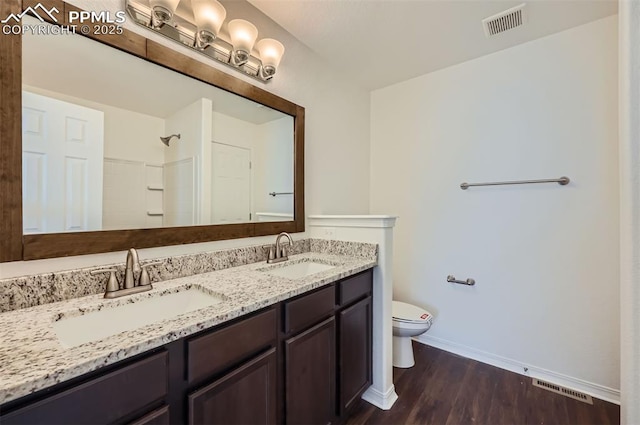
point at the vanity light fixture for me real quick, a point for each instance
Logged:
(243, 36)
(199, 27)
(209, 16)
(162, 11)
(271, 52)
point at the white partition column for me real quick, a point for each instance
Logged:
(629, 86)
(372, 229)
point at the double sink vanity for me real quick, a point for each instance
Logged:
(258, 343)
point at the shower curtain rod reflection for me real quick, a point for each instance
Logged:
(562, 181)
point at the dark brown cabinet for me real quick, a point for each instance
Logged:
(327, 350)
(354, 359)
(111, 397)
(302, 361)
(310, 375)
(246, 395)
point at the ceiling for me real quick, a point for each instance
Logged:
(382, 42)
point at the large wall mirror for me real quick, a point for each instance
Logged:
(153, 148)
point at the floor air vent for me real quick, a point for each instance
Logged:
(577, 395)
(504, 21)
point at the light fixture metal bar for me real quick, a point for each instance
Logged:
(183, 31)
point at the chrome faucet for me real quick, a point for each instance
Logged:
(279, 253)
(136, 277)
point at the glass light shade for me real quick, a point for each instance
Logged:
(243, 35)
(164, 9)
(271, 52)
(209, 15)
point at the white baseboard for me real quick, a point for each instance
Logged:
(594, 390)
(381, 400)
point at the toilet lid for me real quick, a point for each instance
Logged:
(409, 313)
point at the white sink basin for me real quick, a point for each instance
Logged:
(298, 270)
(97, 325)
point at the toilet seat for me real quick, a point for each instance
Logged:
(408, 313)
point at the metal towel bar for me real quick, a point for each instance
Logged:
(280, 193)
(562, 181)
(453, 279)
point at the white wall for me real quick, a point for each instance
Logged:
(273, 150)
(133, 136)
(336, 134)
(545, 257)
(232, 131)
(187, 194)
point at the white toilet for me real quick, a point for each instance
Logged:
(408, 320)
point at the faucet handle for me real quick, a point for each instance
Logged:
(112, 283)
(271, 253)
(144, 275)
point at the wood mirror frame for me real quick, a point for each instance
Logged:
(16, 246)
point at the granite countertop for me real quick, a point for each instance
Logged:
(32, 358)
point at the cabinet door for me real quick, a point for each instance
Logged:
(246, 395)
(354, 355)
(310, 375)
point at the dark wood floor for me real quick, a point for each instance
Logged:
(446, 389)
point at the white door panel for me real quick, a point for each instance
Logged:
(62, 165)
(76, 194)
(33, 191)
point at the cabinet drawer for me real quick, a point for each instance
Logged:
(355, 287)
(309, 309)
(219, 350)
(104, 399)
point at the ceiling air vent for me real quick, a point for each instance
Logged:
(504, 21)
(576, 395)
